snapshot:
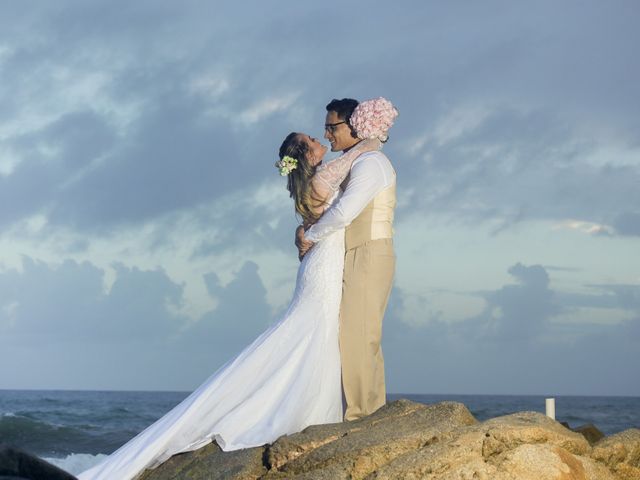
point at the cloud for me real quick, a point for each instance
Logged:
(241, 314)
(589, 228)
(619, 295)
(516, 345)
(69, 302)
(173, 117)
(628, 223)
(532, 158)
(517, 313)
(66, 312)
(142, 135)
(264, 108)
(137, 325)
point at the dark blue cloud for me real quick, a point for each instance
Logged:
(517, 313)
(628, 223)
(522, 350)
(241, 315)
(536, 78)
(128, 337)
(54, 156)
(63, 315)
(68, 302)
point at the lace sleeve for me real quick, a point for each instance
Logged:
(329, 176)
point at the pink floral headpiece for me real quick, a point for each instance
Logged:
(373, 118)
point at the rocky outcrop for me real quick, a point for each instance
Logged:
(621, 453)
(211, 463)
(407, 440)
(18, 465)
(590, 432)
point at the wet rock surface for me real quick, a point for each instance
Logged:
(16, 464)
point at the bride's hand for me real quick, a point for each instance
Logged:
(302, 244)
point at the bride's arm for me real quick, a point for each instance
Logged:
(329, 176)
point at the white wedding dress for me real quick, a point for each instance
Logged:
(287, 379)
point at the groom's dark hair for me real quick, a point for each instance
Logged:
(344, 108)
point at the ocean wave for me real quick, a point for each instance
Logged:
(63, 418)
(75, 463)
(41, 437)
(120, 410)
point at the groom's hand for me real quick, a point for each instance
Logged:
(302, 244)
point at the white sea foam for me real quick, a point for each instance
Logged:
(76, 462)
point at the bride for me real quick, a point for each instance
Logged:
(289, 377)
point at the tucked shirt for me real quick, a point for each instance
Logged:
(371, 173)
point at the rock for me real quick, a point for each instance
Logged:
(211, 463)
(407, 440)
(16, 464)
(590, 432)
(621, 453)
(544, 461)
(507, 432)
(494, 450)
(359, 448)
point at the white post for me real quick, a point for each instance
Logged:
(550, 407)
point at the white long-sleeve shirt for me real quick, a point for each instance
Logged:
(371, 173)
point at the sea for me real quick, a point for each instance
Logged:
(76, 429)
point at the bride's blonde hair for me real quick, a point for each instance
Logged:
(299, 179)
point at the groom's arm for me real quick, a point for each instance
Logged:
(371, 173)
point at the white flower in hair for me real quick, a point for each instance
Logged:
(286, 165)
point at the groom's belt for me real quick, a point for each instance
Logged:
(357, 238)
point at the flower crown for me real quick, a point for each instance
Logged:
(373, 118)
(286, 165)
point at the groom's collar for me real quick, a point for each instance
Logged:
(352, 146)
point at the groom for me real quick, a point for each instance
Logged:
(366, 210)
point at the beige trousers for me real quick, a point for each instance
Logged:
(366, 285)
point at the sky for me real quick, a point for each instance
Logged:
(146, 237)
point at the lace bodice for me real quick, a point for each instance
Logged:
(329, 176)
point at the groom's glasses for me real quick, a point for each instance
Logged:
(331, 127)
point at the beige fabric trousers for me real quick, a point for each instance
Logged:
(366, 285)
